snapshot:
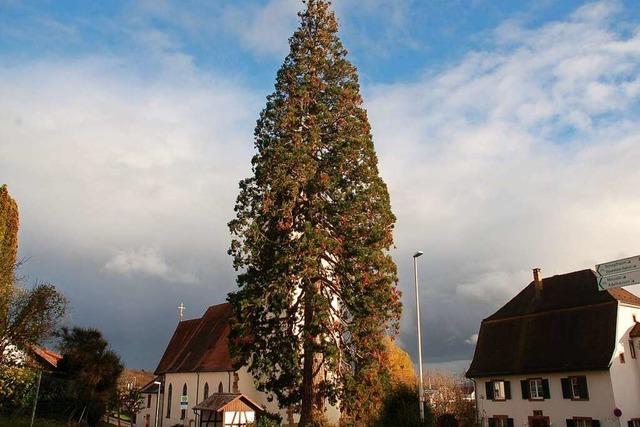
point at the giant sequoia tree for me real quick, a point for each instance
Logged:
(317, 286)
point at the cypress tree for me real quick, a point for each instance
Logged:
(317, 288)
(8, 250)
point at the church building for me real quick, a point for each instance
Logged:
(195, 372)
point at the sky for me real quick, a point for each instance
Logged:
(508, 133)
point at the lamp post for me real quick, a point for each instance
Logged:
(421, 388)
(159, 384)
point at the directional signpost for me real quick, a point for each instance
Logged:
(622, 272)
(184, 402)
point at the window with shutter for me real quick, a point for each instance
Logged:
(489, 389)
(571, 423)
(545, 389)
(500, 421)
(566, 388)
(524, 386)
(634, 422)
(578, 388)
(535, 389)
(584, 422)
(499, 390)
(632, 349)
(507, 389)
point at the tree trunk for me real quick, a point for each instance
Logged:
(312, 408)
(119, 425)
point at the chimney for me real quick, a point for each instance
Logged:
(537, 280)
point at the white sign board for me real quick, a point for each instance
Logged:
(184, 402)
(619, 266)
(618, 280)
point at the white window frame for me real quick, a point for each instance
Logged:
(583, 422)
(575, 388)
(536, 390)
(501, 422)
(499, 390)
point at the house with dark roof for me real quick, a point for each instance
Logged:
(561, 352)
(195, 366)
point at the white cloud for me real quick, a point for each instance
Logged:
(99, 157)
(264, 29)
(146, 261)
(472, 340)
(521, 155)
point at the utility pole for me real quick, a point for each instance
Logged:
(35, 402)
(159, 384)
(421, 382)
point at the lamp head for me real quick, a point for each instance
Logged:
(417, 254)
(157, 382)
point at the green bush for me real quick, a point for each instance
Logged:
(401, 409)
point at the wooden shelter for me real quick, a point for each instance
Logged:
(226, 410)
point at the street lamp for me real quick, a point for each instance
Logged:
(421, 389)
(159, 384)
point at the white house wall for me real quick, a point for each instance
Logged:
(598, 407)
(625, 377)
(147, 410)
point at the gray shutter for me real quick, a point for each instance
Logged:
(571, 423)
(545, 389)
(491, 422)
(489, 388)
(524, 385)
(595, 423)
(630, 423)
(509, 422)
(582, 385)
(507, 389)
(566, 388)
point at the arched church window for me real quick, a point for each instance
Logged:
(169, 401)
(183, 412)
(220, 388)
(206, 390)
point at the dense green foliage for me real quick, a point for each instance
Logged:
(401, 408)
(16, 386)
(87, 375)
(9, 221)
(317, 286)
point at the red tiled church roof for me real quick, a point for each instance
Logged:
(200, 344)
(569, 325)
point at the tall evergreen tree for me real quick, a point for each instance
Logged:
(8, 251)
(313, 227)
